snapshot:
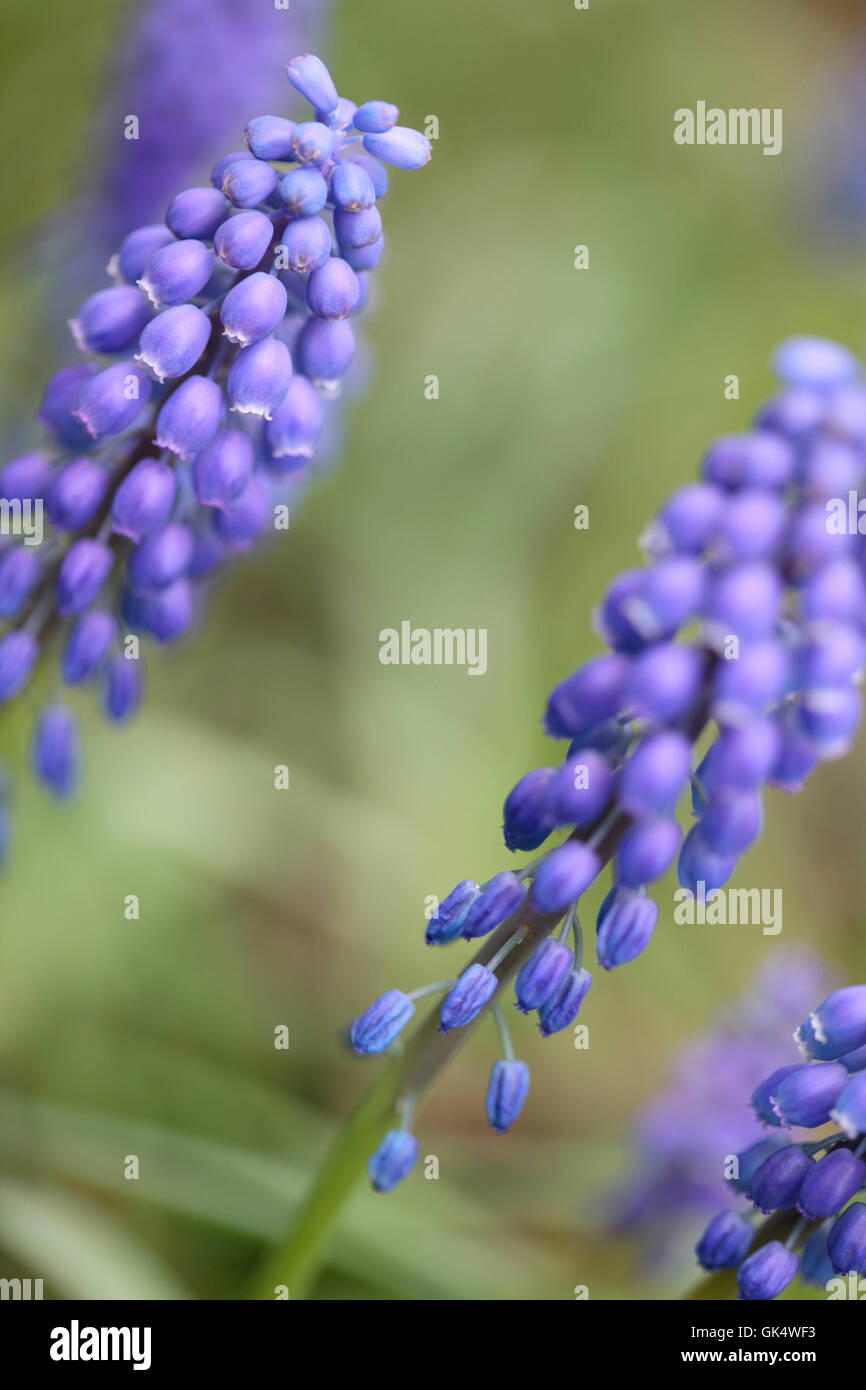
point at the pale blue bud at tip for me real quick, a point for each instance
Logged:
(726, 1241)
(259, 378)
(401, 146)
(309, 76)
(145, 499)
(242, 241)
(83, 571)
(176, 273)
(447, 921)
(816, 362)
(303, 192)
(223, 469)
(385, 1019)
(767, 1273)
(110, 320)
(375, 117)
(473, 990)
(253, 308)
(88, 643)
(393, 1161)
(312, 142)
(197, 212)
(174, 341)
(506, 1094)
(54, 753)
(18, 653)
(190, 417)
(541, 976)
(270, 137)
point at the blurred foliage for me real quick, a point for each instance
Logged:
(558, 387)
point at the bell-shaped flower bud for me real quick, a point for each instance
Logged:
(325, 350)
(626, 922)
(333, 291)
(594, 692)
(240, 521)
(563, 1006)
(303, 192)
(382, 1023)
(83, 571)
(447, 921)
(506, 1094)
(196, 212)
(775, 1186)
(767, 1273)
(190, 417)
(541, 976)
(393, 1161)
(161, 558)
(309, 76)
(646, 851)
(55, 753)
(564, 875)
(259, 378)
(253, 308)
(296, 424)
(352, 188)
(305, 245)
(224, 467)
(473, 990)
(145, 499)
(26, 479)
(849, 1109)
(807, 1095)
(356, 229)
(375, 117)
(248, 182)
(312, 142)
(501, 897)
(400, 146)
(110, 320)
(242, 241)
(177, 272)
(18, 653)
(60, 401)
(20, 569)
(837, 1026)
(112, 400)
(763, 1097)
(88, 644)
(830, 1184)
(526, 823)
(726, 1241)
(270, 137)
(122, 688)
(136, 250)
(846, 1243)
(76, 494)
(698, 864)
(174, 341)
(580, 789)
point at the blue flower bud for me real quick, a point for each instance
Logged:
(593, 692)
(506, 1094)
(579, 790)
(764, 1096)
(341, 118)
(761, 458)
(446, 923)
(849, 1109)
(121, 688)
(112, 400)
(836, 591)
(75, 495)
(357, 228)
(846, 1243)
(296, 424)
(698, 864)
(190, 417)
(646, 851)
(726, 1241)
(375, 117)
(270, 137)
(241, 241)
(745, 601)
(164, 615)
(309, 76)
(665, 682)
(564, 875)
(303, 192)
(60, 400)
(767, 1273)
(830, 718)
(136, 250)
(312, 142)
(352, 188)
(807, 1095)
(20, 568)
(831, 654)
(325, 350)
(795, 759)
(542, 975)
(563, 1006)
(731, 822)
(83, 571)
(174, 341)
(809, 545)
(608, 736)
(55, 754)
(393, 1161)
(830, 1184)
(110, 320)
(831, 469)
(807, 361)
(197, 212)
(88, 643)
(383, 1021)
(26, 479)
(815, 1265)
(333, 290)
(18, 653)
(364, 257)
(626, 922)
(836, 1026)
(177, 272)
(751, 1159)
(248, 182)
(376, 172)
(653, 778)
(689, 521)
(526, 824)
(845, 412)
(253, 308)
(223, 469)
(259, 378)
(305, 244)
(501, 897)
(161, 558)
(145, 499)
(795, 413)
(775, 1186)
(241, 520)
(748, 685)
(753, 525)
(218, 170)
(473, 990)
(400, 146)
(742, 757)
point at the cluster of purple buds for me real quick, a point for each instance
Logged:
(194, 415)
(818, 1179)
(745, 628)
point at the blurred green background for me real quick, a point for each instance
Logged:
(558, 387)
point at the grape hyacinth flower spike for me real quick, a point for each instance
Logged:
(732, 665)
(191, 424)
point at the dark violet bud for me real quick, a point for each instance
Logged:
(849, 1109)
(393, 1161)
(795, 759)
(76, 493)
(161, 558)
(309, 76)
(646, 851)
(54, 754)
(20, 568)
(731, 822)
(333, 290)
(540, 978)
(145, 499)
(775, 1186)
(744, 601)
(136, 250)
(593, 692)
(112, 400)
(751, 1159)
(832, 653)
(303, 192)
(816, 362)
(270, 137)
(89, 641)
(760, 459)
(312, 142)
(121, 688)
(525, 823)
(177, 272)
(364, 257)
(689, 521)
(190, 417)
(324, 350)
(402, 147)
(56, 411)
(473, 990)
(653, 778)
(295, 425)
(626, 922)
(506, 1094)
(753, 525)
(241, 520)
(197, 212)
(830, 1184)
(807, 1095)
(383, 1021)
(306, 244)
(26, 479)
(579, 790)
(110, 320)
(242, 241)
(259, 378)
(357, 229)
(698, 864)
(83, 571)
(764, 1096)
(815, 1265)
(249, 182)
(223, 469)
(446, 923)
(18, 653)
(351, 187)
(830, 718)
(726, 1241)
(565, 873)
(563, 1006)
(495, 902)
(750, 683)
(836, 591)
(846, 1243)
(665, 682)
(253, 308)
(376, 172)
(174, 341)
(767, 1273)
(375, 117)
